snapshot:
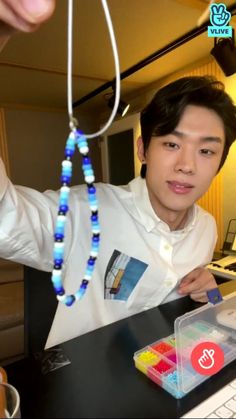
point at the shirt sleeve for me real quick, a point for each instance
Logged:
(27, 219)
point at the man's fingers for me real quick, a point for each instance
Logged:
(25, 15)
(22, 15)
(200, 297)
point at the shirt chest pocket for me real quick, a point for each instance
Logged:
(122, 275)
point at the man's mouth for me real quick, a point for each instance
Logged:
(179, 187)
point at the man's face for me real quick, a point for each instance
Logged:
(182, 165)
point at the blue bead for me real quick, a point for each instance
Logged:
(70, 299)
(69, 153)
(59, 237)
(91, 190)
(58, 261)
(94, 217)
(96, 239)
(91, 262)
(86, 160)
(65, 179)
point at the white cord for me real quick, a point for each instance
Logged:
(69, 68)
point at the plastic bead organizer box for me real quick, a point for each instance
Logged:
(168, 362)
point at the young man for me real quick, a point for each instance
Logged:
(155, 242)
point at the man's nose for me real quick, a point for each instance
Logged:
(186, 162)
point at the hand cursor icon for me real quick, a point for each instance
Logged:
(206, 361)
(207, 358)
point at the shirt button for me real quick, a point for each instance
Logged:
(168, 282)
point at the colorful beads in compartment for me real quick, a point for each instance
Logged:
(161, 347)
(145, 359)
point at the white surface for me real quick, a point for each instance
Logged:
(222, 404)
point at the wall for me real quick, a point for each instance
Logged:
(229, 170)
(36, 141)
(224, 186)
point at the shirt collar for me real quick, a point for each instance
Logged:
(143, 210)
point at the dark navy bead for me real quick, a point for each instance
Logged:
(59, 237)
(63, 208)
(84, 282)
(91, 262)
(96, 238)
(95, 212)
(57, 266)
(65, 178)
(61, 212)
(60, 291)
(69, 153)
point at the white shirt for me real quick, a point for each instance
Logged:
(146, 259)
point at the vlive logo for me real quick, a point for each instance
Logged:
(219, 18)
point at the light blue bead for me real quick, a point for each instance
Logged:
(65, 194)
(88, 172)
(59, 230)
(67, 171)
(58, 253)
(88, 272)
(90, 268)
(92, 199)
(80, 293)
(61, 221)
(56, 282)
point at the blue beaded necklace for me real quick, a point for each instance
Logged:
(78, 139)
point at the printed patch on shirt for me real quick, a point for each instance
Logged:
(122, 275)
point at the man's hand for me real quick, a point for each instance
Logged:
(22, 15)
(196, 283)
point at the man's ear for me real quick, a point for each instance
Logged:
(140, 150)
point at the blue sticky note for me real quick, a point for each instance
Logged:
(214, 296)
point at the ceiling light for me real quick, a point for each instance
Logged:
(224, 53)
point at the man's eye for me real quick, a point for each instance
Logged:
(171, 145)
(207, 152)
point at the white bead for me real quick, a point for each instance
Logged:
(61, 218)
(93, 253)
(89, 179)
(72, 135)
(61, 297)
(65, 189)
(96, 230)
(88, 277)
(93, 207)
(66, 163)
(56, 272)
(84, 149)
(59, 245)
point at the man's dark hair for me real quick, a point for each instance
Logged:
(163, 113)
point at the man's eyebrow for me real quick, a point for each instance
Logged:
(209, 138)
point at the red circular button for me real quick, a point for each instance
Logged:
(207, 358)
